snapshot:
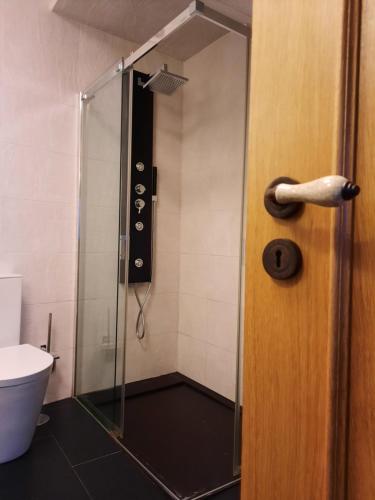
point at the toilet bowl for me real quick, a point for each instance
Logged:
(24, 374)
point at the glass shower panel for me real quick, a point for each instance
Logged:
(182, 377)
(101, 297)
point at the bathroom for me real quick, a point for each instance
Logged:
(167, 170)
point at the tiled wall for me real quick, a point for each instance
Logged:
(214, 103)
(98, 240)
(156, 354)
(45, 61)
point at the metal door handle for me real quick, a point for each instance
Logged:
(284, 197)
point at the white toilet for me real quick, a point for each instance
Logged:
(24, 373)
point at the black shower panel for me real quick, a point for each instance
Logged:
(142, 183)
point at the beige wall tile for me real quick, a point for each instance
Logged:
(61, 380)
(214, 103)
(192, 358)
(194, 274)
(193, 320)
(35, 324)
(220, 373)
(222, 325)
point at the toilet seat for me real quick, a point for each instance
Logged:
(21, 364)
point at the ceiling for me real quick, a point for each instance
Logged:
(139, 20)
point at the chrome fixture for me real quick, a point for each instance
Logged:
(140, 189)
(139, 226)
(196, 9)
(138, 263)
(140, 328)
(139, 204)
(140, 166)
(43, 418)
(47, 347)
(165, 82)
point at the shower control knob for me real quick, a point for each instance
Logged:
(140, 189)
(139, 226)
(138, 263)
(140, 166)
(284, 197)
(139, 204)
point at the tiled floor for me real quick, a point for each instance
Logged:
(183, 432)
(73, 458)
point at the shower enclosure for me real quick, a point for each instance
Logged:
(158, 347)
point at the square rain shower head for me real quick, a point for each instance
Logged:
(165, 82)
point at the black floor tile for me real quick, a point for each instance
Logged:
(78, 434)
(184, 437)
(43, 473)
(118, 477)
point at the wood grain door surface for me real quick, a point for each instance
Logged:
(299, 115)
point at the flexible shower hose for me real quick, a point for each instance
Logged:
(140, 326)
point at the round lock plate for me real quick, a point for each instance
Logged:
(282, 259)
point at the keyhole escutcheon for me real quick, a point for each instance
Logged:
(282, 259)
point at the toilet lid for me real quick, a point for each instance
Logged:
(22, 363)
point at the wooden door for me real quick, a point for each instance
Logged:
(361, 449)
(301, 92)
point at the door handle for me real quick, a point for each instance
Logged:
(284, 197)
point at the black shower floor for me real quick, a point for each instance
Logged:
(180, 431)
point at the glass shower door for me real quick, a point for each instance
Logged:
(102, 274)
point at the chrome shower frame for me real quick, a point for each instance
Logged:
(195, 9)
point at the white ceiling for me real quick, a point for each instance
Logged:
(139, 20)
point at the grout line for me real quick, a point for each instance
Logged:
(72, 468)
(61, 449)
(96, 458)
(82, 484)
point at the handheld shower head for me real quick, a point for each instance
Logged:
(165, 82)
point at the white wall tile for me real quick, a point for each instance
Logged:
(193, 320)
(99, 229)
(192, 358)
(196, 231)
(194, 274)
(95, 368)
(97, 322)
(225, 232)
(101, 183)
(61, 380)
(98, 275)
(220, 373)
(19, 171)
(214, 103)
(167, 231)
(223, 279)
(153, 356)
(45, 61)
(222, 325)
(34, 327)
(166, 273)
